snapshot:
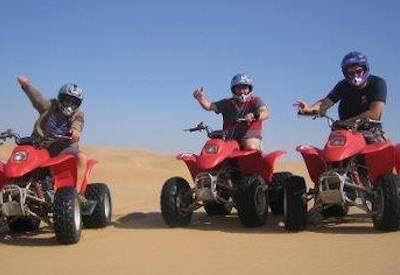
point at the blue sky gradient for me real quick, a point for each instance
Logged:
(139, 61)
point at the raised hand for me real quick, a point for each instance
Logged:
(199, 93)
(23, 81)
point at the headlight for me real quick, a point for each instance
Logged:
(337, 141)
(210, 149)
(20, 156)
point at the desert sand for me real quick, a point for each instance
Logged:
(138, 241)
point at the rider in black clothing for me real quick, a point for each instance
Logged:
(360, 94)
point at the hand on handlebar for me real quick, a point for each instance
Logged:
(249, 118)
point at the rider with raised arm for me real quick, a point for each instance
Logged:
(59, 117)
(242, 105)
(361, 95)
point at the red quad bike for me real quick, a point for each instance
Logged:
(352, 170)
(35, 187)
(224, 176)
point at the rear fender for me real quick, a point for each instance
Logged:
(250, 162)
(314, 162)
(380, 159)
(190, 161)
(63, 168)
(397, 156)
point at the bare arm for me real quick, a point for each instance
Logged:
(39, 102)
(374, 112)
(206, 104)
(77, 126)
(263, 113)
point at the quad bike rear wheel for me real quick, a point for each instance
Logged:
(67, 216)
(175, 200)
(251, 201)
(101, 215)
(24, 224)
(275, 192)
(386, 203)
(295, 205)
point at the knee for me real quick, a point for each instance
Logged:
(252, 144)
(251, 147)
(82, 158)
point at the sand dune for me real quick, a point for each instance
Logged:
(138, 241)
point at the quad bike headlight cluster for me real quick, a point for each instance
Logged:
(210, 149)
(20, 156)
(338, 141)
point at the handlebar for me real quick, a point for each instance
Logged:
(344, 124)
(199, 127)
(31, 139)
(240, 120)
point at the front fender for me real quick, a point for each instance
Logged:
(63, 168)
(270, 161)
(190, 161)
(314, 161)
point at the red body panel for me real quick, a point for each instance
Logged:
(62, 167)
(251, 162)
(207, 161)
(35, 157)
(313, 159)
(354, 143)
(379, 157)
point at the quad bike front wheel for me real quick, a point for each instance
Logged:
(275, 192)
(176, 198)
(24, 224)
(251, 201)
(67, 216)
(386, 203)
(101, 215)
(295, 205)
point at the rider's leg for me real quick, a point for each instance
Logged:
(81, 160)
(252, 144)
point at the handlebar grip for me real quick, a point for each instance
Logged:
(312, 113)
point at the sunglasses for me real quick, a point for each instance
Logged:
(355, 72)
(70, 101)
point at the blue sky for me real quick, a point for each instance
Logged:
(139, 61)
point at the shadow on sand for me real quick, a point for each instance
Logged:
(352, 224)
(200, 221)
(43, 237)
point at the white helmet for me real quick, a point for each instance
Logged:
(242, 79)
(70, 97)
